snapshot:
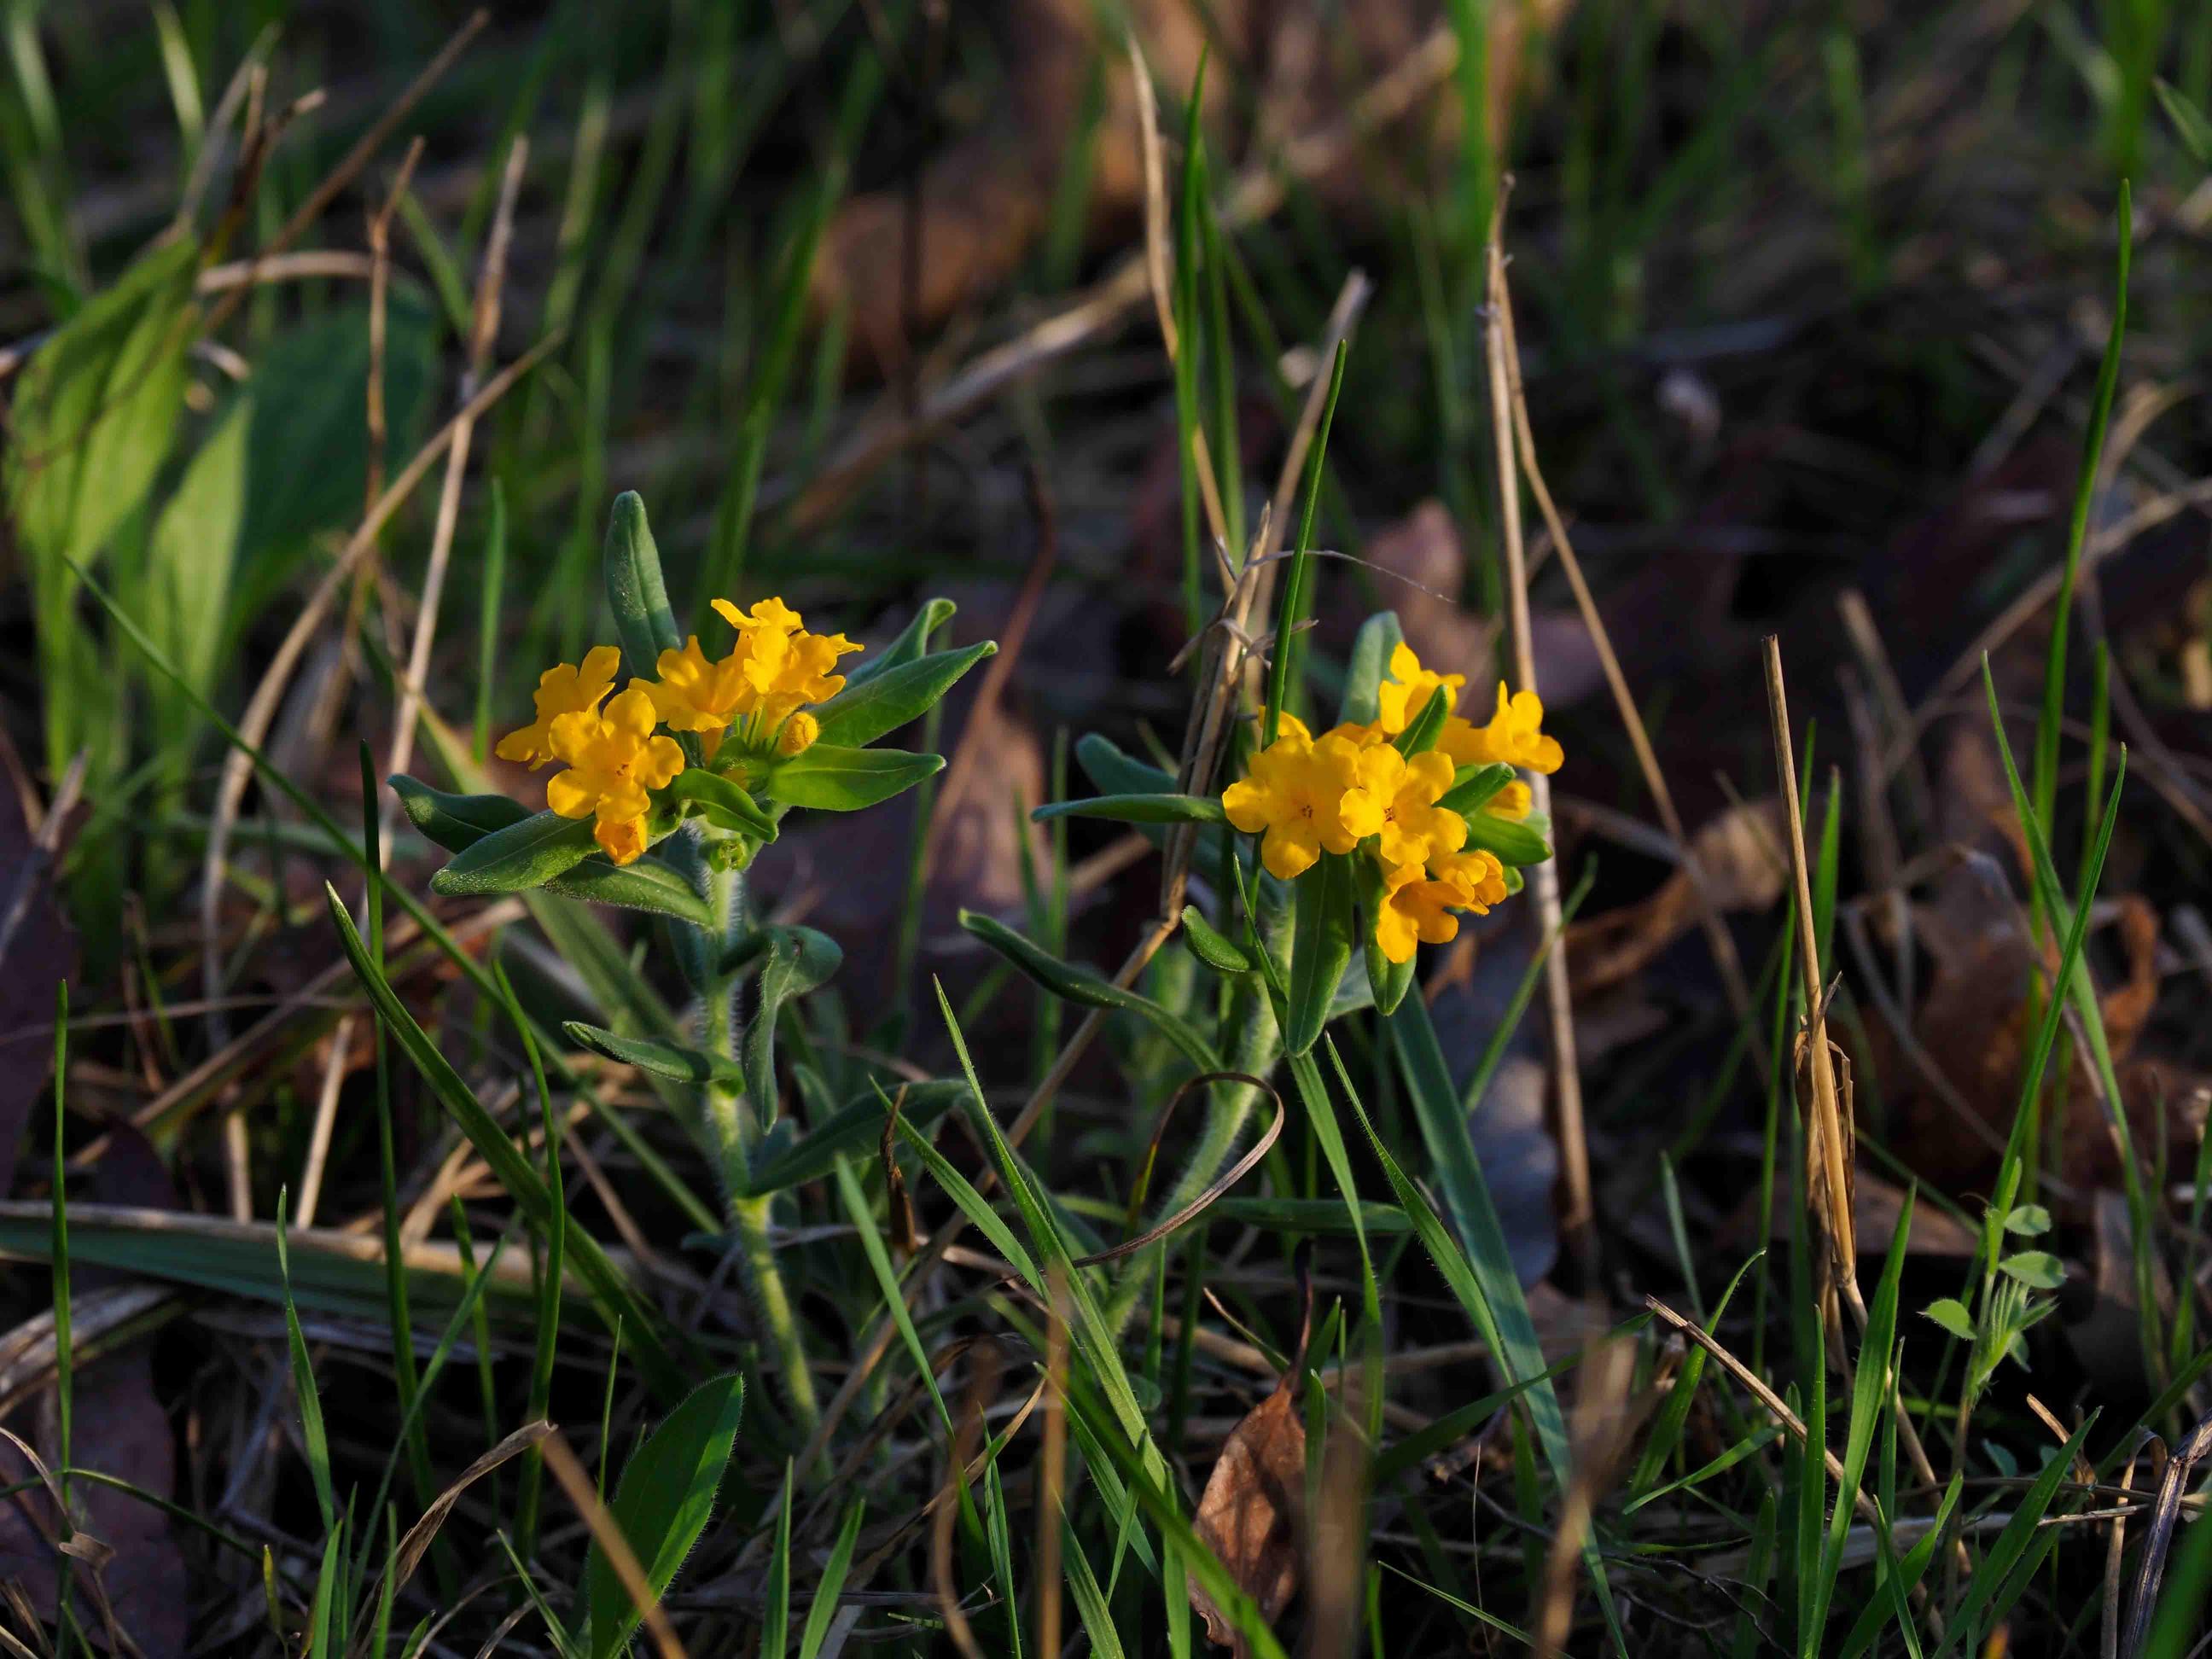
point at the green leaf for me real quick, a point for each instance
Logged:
(95, 412)
(1515, 844)
(1331, 1217)
(1388, 982)
(1112, 772)
(912, 641)
(1379, 635)
(2037, 1269)
(1421, 732)
(856, 1125)
(455, 822)
(635, 592)
(1320, 947)
(645, 883)
(798, 960)
(190, 555)
(652, 1055)
(1087, 989)
(832, 778)
(663, 1503)
(865, 710)
(1473, 785)
(2028, 1220)
(313, 1438)
(1211, 947)
(1992, 1584)
(724, 802)
(1137, 809)
(521, 856)
(1951, 1313)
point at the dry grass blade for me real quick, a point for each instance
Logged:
(417, 1541)
(1577, 1223)
(2151, 1571)
(982, 1388)
(1214, 1189)
(1052, 1462)
(1717, 938)
(1603, 1426)
(576, 1481)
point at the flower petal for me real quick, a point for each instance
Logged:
(570, 794)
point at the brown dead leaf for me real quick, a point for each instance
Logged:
(1249, 1514)
(1739, 852)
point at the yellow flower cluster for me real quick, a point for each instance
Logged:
(1351, 788)
(613, 757)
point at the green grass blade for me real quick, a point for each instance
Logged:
(313, 1438)
(775, 1609)
(833, 1584)
(1298, 583)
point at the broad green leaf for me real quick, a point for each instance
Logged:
(1379, 635)
(1515, 844)
(1137, 809)
(855, 1127)
(1211, 947)
(636, 593)
(1112, 772)
(832, 778)
(1088, 988)
(1320, 947)
(797, 960)
(2028, 1220)
(95, 412)
(455, 822)
(1951, 1313)
(644, 883)
(2037, 1269)
(867, 710)
(190, 555)
(1473, 785)
(652, 1055)
(726, 805)
(912, 641)
(520, 857)
(663, 1502)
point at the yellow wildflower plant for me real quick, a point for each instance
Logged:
(1410, 827)
(1514, 736)
(1400, 698)
(614, 759)
(775, 669)
(1304, 798)
(564, 689)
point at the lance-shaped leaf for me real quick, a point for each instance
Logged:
(1112, 772)
(635, 592)
(725, 804)
(662, 1504)
(1515, 844)
(1076, 984)
(655, 1057)
(912, 641)
(1320, 947)
(796, 960)
(1422, 731)
(832, 778)
(1388, 980)
(1473, 785)
(521, 856)
(866, 710)
(458, 822)
(1211, 947)
(853, 1127)
(1137, 809)
(1379, 635)
(455, 822)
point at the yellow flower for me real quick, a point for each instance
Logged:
(613, 759)
(1418, 905)
(1512, 802)
(1513, 736)
(565, 690)
(694, 695)
(1304, 794)
(782, 666)
(1410, 827)
(798, 733)
(1476, 875)
(1400, 698)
